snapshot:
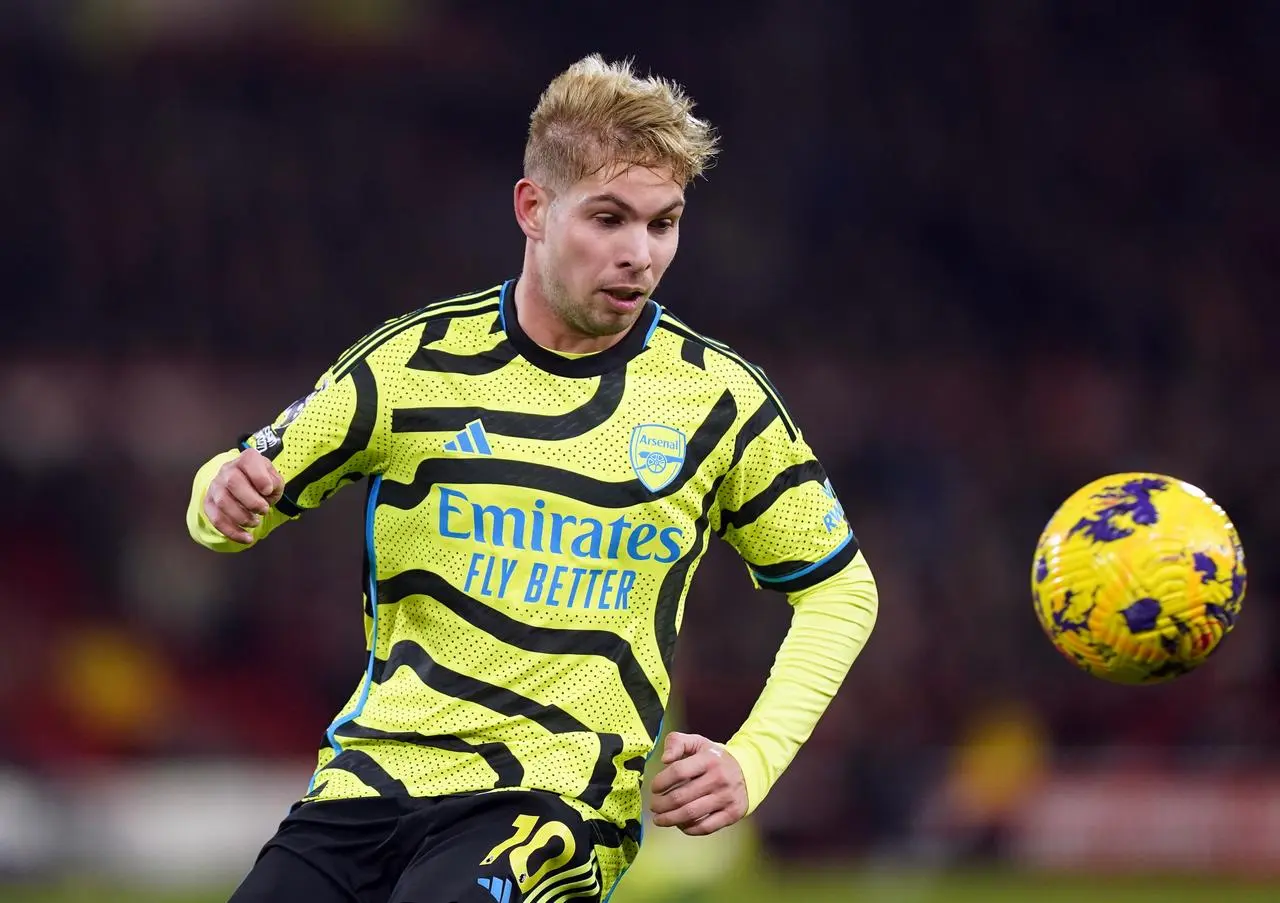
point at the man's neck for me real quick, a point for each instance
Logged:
(541, 323)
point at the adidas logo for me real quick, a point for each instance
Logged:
(472, 440)
(499, 887)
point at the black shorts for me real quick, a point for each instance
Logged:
(505, 847)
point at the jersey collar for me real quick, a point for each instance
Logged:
(635, 341)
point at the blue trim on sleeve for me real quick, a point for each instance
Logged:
(809, 567)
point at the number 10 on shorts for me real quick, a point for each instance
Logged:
(521, 846)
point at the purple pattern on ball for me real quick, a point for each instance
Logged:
(1219, 613)
(1062, 624)
(1141, 616)
(1206, 567)
(1133, 499)
(1228, 611)
(1237, 588)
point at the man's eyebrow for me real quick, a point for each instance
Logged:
(610, 198)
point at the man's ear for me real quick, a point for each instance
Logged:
(533, 205)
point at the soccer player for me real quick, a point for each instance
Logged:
(545, 462)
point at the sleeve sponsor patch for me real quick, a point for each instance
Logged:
(267, 441)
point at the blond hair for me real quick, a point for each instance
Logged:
(596, 115)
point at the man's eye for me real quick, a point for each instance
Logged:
(663, 225)
(608, 219)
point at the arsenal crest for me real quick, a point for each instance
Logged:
(657, 454)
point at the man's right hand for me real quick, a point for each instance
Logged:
(242, 494)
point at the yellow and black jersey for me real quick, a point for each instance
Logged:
(532, 525)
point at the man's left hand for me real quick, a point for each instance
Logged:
(701, 790)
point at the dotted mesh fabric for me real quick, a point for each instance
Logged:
(495, 638)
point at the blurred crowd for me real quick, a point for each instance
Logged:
(987, 252)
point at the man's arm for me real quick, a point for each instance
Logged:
(829, 626)
(232, 499)
(779, 511)
(315, 446)
(708, 786)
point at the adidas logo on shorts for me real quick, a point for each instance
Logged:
(499, 887)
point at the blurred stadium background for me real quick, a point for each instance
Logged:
(987, 250)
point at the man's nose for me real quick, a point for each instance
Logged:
(634, 252)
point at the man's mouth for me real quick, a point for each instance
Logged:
(624, 294)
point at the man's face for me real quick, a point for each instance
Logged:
(609, 239)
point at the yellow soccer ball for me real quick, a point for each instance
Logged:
(1138, 577)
